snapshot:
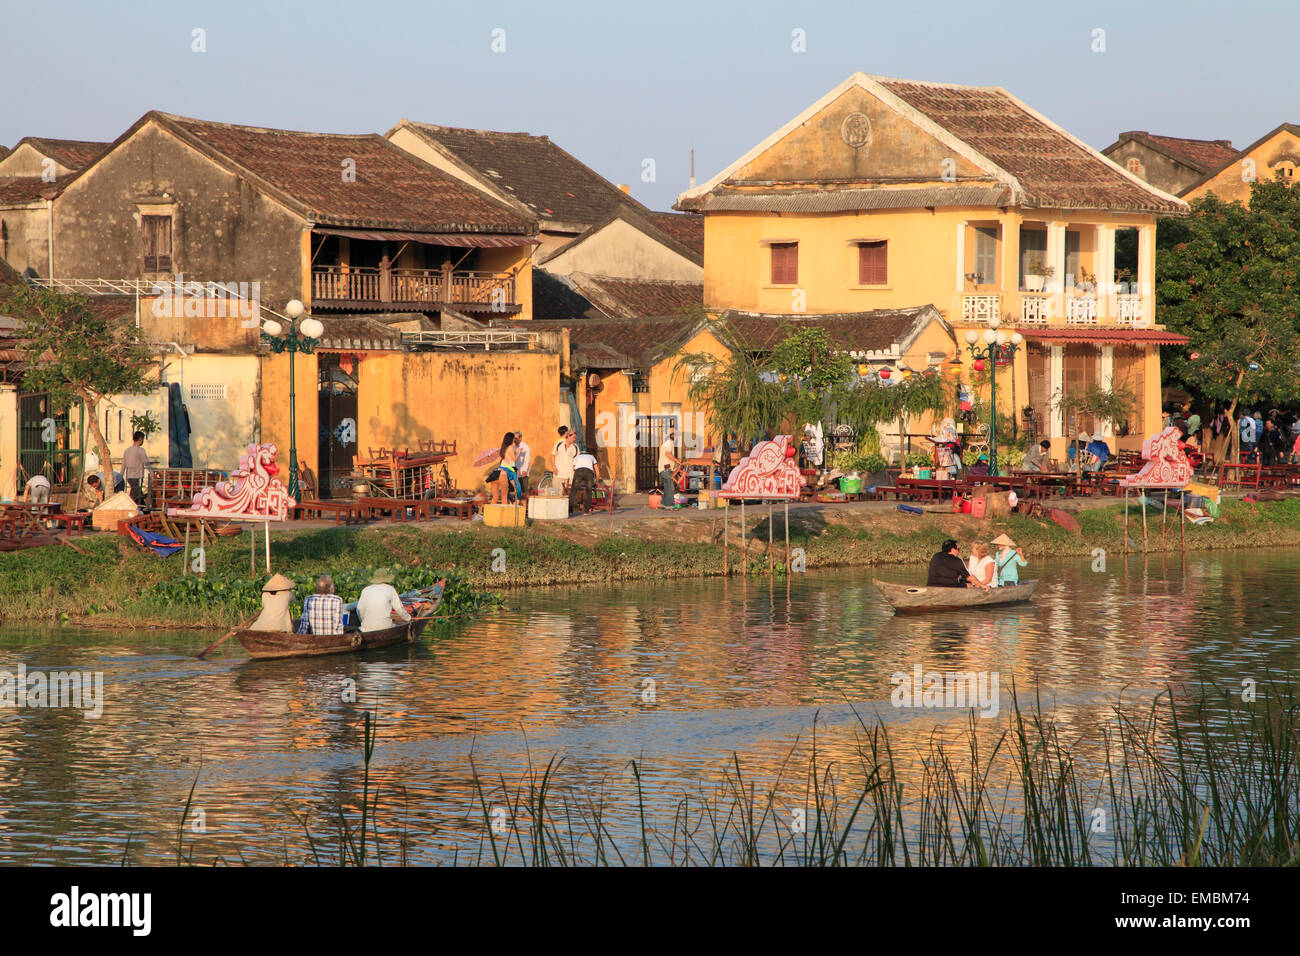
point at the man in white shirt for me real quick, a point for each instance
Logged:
(583, 489)
(523, 461)
(668, 460)
(565, 450)
(379, 601)
(135, 465)
(38, 489)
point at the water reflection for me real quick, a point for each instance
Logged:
(735, 666)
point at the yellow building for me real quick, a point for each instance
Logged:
(889, 194)
(1275, 154)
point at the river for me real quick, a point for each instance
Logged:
(679, 676)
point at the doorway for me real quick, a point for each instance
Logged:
(651, 430)
(338, 422)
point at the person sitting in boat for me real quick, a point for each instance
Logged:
(276, 595)
(322, 612)
(1009, 561)
(947, 570)
(981, 566)
(379, 603)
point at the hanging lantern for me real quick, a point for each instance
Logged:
(885, 373)
(908, 373)
(978, 365)
(781, 378)
(864, 369)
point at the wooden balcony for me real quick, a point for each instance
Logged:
(360, 287)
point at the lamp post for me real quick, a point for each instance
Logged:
(299, 337)
(995, 344)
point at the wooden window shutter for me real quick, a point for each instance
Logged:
(785, 263)
(157, 236)
(873, 263)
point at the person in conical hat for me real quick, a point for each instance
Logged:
(277, 592)
(379, 602)
(1010, 559)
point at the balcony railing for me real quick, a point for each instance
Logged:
(1035, 308)
(475, 290)
(979, 308)
(1128, 310)
(1081, 309)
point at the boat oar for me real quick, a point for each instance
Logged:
(228, 635)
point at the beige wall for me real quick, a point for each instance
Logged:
(622, 250)
(26, 160)
(1261, 163)
(28, 244)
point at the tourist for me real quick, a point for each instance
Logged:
(947, 569)
(948, 447)
(1099, 450)
(1248, 437)
(135, 465)
(92, 492)
(37, 490)
(1078, 451)
(565, 450)
(582, 492)
(1038, 458)
(276, 595)
(1259, 430)
(1295, 427)
(322, 612)
(981, 567)
(1193, 427)
(379, 602)
(523, 459)
(1295, 450)
(1009, 561)
(981, 467)
(1272, 445)
(668, 461)
(503, 476)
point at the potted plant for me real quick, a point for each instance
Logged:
(1123, 280)
(1037, 272)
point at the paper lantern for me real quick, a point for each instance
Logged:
(885, 373)
(978, 365)
(907, 373)
(1194, 356)
(864, 369)
(781, 377)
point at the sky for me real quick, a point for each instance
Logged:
(618, 83)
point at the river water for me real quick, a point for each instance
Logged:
(692, 680)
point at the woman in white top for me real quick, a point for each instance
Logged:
(981, 565)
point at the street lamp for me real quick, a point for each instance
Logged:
(300, 337)
(995, 345)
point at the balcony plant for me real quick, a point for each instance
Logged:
(1037, 272)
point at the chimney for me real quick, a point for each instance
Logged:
(692, 186)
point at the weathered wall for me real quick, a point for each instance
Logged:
(622, 250)
(27, 160)
(221, 394)
(1233, 183)
(469, 398)
(224, 230)
(27, 246)
(1159, 170)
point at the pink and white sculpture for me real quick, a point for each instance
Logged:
(769, 471)
(253, 494)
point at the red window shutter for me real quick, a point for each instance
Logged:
(873, 263)
(785, 263)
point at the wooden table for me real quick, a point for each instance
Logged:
(929, 489)
(73, 520)
(344, 510)
(1239, 474)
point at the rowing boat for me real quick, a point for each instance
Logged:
(911, 599)
(272, 644)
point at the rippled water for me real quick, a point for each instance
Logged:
(678, 676)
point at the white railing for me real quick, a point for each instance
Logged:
(1081, 310)
(484, 339)
(1035, 308)
(1128, 310)
(980, 308)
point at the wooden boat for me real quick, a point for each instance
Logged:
(914, 599)
(272, 644)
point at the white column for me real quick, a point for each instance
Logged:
(1107, 307)
(1146, 275)
(1055, 386)
(961, 256)
(1056, 259)
(1108, 380)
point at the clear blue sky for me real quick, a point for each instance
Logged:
(616, 82)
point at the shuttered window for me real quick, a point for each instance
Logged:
(873, 263)
(156, 232)
(986, 256)
(785, 263)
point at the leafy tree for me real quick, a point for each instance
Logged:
(1228, 277)
(76, 353)
(810, 368)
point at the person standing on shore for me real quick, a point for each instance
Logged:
(504, 474)
(667, 461)
(523, 459)
(562, 455)
(135, 465)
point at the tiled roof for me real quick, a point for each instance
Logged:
(73, 153)
(22, 189)
(627, 343)
(360, 332)
(537, 172)
(1201, 155)
(1214, 171)
(1155, 336)
(393, 189)
(875, 331)
(686, 228)
(840, 199)
(632, 298)
(1053, 168)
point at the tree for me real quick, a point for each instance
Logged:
(1228, 277)
(75, 352)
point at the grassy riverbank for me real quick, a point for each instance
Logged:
(115, 584)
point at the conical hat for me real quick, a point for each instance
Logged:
(278, 582)
(1004, 541)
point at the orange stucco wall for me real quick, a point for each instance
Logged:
(1279, 152)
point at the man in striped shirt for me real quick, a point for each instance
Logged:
(322, 612)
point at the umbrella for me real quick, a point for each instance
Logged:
(486, 456)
